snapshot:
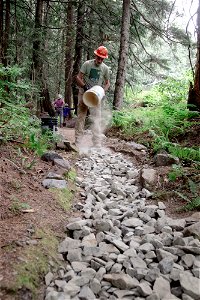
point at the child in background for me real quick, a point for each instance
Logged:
(66, 111)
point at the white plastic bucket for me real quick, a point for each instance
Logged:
(93, 96)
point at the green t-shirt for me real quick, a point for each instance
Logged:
(95, 75)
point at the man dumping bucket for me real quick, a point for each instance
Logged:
(93, 81)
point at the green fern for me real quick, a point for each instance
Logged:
(193, 187)
(177, 172)
(184, 152)
(182, 196)
(193, 204)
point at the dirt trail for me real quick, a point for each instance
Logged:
(69, 134)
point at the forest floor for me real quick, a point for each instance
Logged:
(32, 219)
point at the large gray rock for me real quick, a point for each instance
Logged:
(164, 159)
(122, 281)
(63, 163)
(50, 156)
(161, 287)
(54, 183)
(132, 222)
(148, 178)
(192, 230)
(144, 289)
(86, 294)
(68, 244)
(190, 285)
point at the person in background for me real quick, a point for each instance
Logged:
(92, 72)
(58, 105)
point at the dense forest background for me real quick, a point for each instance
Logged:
(45, 43)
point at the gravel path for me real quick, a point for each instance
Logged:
(123, 247)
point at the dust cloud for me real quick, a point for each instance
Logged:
(99, 119)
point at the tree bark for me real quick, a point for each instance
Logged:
(46, 104)
(194, 90)
(4, 31)
(1, 31)
(37, 41)
(123, 54)
(69, 56)
(38, 72)
(78, 51)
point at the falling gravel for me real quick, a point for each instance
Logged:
(123, 247)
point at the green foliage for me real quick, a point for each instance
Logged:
(71, 175)
(193, 204)
(14, 117)
(18, 205)
(194, 201)
(165, 116)
(39, 143)
(25, 163)
(125, 120)
(174, 90)
(139, 94)
(189, 189)
(168, 91)
(64, 197)
(16, 121)
(177, 171)
(184, 153)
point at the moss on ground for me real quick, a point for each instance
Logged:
(64, 197)
(35, 261)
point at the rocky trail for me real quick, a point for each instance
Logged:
(117, 242)
(123, 246)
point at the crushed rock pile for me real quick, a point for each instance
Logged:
(123, 247)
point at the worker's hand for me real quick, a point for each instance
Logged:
(86, 87)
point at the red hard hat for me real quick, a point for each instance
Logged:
(101, 52)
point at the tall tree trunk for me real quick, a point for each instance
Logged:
(37, 42)
(61, 58)
(4, 30)
(123, 54)
(78, 51)
(36, 72)
(194, 91)
(1, 31)
(69, 55)
(16, 59)
(47, 105)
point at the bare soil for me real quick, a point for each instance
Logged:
(25, 205)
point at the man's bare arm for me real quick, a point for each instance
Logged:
(107, 85)
(80, 80)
